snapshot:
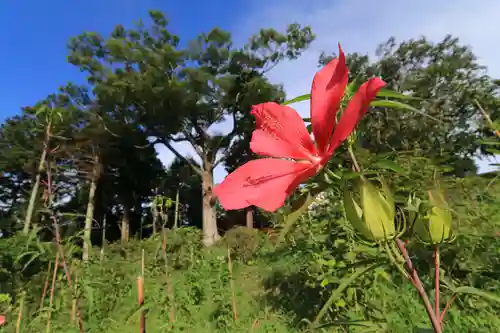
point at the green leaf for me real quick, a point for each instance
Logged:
(388, 165)
(41, 110)
(395, 94)
(493, 151)
(491, 141)
(424, 330)
(300, 206)
(340, 303)
(298, 99)
(330, 263)
(345, 282)
(348, 175)
(477, 292)
(401, 106)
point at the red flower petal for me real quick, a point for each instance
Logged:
(2, 320)
(355, 111)
(280, 132)
(264, 183)
(326, 93)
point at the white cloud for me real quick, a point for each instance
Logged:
(360, 25)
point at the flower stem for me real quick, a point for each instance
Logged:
(354, 160)
(415, 280)
(394, 261)
(447, 306)
(436, 281)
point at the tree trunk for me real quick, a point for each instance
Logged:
(210, 233)
(125, 229)
(155, 221)
(103, 236)
(34, 193)
(249, 217)
(89, 216)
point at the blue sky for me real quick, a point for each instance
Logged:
(35, 35)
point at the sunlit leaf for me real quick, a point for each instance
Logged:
(401, 106)
(395, 94)
(493, 151)
(388, 165)
(299, 207)
(477, 292)
(298, 99)
(345, 282)
(491, 142)
(350, 175)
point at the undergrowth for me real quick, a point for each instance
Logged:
(277, 287)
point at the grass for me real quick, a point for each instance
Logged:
(274, 289)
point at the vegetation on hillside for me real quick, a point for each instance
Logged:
(396, 231)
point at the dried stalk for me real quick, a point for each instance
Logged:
(73, 301)
(140, 297)
(52, 290)
(231, 282)
(170, 288)
(60, 250)
(45, 285)
(20, 315)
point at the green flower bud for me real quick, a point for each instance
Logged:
(415, 208)
(374, 217)
(435, 227)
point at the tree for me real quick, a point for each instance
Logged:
(181, 179)
(177, 95)
(50, 121)
(20, 152)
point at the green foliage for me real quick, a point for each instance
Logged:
(147, 88)
(243, 242)
(275, 287)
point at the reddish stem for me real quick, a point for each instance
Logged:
(447, 306)
(140, 300)
(45, 285)
(415, 280)
(436, 282)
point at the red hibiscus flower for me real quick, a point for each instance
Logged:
(2, 320)
(282, 135)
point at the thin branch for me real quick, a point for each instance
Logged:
(488, 119)
(220, 160)
(192, 140)
(196, 168)
(356, 166)
(106, 127)
(415, 280)
(447, 306)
